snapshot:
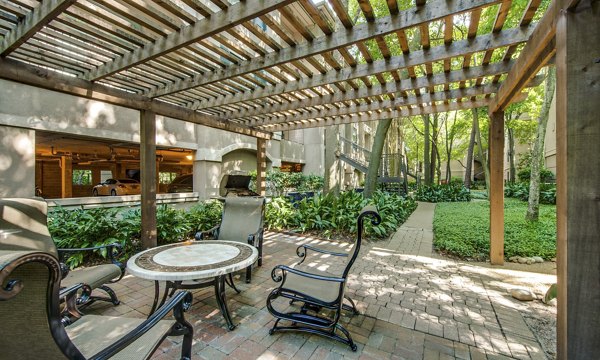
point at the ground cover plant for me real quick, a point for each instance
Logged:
(462, 229)
(521, 191)
(328, 214)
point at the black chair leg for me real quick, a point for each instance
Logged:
(248, 274)
(260, 251)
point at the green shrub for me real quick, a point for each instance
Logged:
(545, 175)
(204, 216)
(521, 191)
(329, 214)
(443, 193)
(462, 229)
(280, 182)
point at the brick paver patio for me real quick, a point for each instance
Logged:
(413, 304)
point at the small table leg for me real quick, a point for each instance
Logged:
(222, 300)
(155, 304)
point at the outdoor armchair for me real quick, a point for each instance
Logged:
(23, 226)
(242, 221)
(320, 293)
(32, 326)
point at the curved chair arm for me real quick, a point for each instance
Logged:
(179, 303)
(301, 252)
(201, 235)
(254, 237)
(69, 291)
(285, 269)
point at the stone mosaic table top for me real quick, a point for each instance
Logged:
(192, 260)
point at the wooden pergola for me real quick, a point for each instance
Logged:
(257, 66)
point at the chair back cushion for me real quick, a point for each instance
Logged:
(242, 216)
(30, 319)
(23, 225)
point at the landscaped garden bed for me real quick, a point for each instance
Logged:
(462, 230)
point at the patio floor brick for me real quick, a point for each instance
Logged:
(414, 305)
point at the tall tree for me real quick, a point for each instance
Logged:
(482, 155)
(427, 150)
(375, 159)
(469, 164)
(537, 154)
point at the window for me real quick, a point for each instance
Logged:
(82, 177)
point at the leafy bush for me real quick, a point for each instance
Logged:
(87, 228)
(521, 191)
(443, 193)
(328, 214)
(463, 230)
(280, 182)
(545, 175)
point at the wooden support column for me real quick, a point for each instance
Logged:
(261, 166)
(496, 145)
(148, 177)
(66, 177)
(578, 181)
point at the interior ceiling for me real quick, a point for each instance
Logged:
(84, 150)
(275, 65)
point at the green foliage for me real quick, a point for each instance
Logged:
(280, 182)
(545, 175)
(521, 191)
(462, 229)
(87, 228)
(330, 214)
(443, 193)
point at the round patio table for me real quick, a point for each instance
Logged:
(184, 265)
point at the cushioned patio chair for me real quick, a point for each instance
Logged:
(320, 293)
(242, 220)
(25, 220)
(31, 321)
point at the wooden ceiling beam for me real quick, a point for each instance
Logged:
(375, 116)
(387, 88)
(51, 80)
(414, 58)
(33, 23)
(432, 11)
(218, 22)
(536, 53)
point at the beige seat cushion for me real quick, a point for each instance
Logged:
(93, 333)
(94, 276)
(326, 291)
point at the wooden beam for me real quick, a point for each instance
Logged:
(496, 149)
(218, 22)
(374, 116)
(434, 10)
(261, 167)
(35, 21)
(381, 105)
(536, 53)
(47, 79)
(414, 58)
(149, 235)
(66, 177)
(376, 90)
(578, 185)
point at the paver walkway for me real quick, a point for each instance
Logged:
(414, 305)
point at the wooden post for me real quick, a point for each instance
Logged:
(66, 177)
(496, 145)
(261, 166)
(148, 177)
(578, 181)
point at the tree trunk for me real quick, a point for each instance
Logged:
(434, 159)
(484, 162)
(469, 167)
(511, 156)
(426, 151)
(537, 154)
(375, 159)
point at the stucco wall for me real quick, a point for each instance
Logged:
(17, 162)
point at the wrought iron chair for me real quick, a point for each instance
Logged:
(318, 291)
(32, 325)
(242, 220)
(23, 226)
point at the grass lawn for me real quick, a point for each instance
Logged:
(462, 229)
